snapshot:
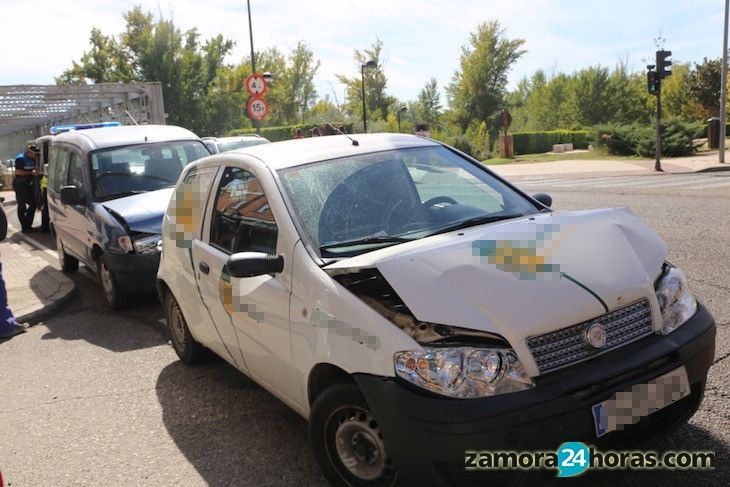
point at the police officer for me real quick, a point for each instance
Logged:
(23, 184)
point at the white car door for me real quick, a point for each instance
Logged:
(257, 307)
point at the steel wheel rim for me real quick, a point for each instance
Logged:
(176, 326)
(358, 443)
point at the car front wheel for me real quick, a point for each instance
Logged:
(347, 441)
(115, 297)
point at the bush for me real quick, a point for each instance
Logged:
(286, 132)
(628, 140)
(538, 142)
(462, 143)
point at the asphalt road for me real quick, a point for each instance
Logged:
(91, 397)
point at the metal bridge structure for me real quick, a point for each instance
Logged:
(28, 111)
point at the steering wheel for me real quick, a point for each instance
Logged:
(440, 199)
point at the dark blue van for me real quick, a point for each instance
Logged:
(108, 189)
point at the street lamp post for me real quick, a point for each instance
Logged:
(397, 114)
(369, 64)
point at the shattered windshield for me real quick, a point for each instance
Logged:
(356, 204)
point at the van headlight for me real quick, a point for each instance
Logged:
(676, 302)
(463, 372)
(147, 244)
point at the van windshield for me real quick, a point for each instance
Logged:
(123, 171)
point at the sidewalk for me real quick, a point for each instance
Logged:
(670, 165)
(35, 288)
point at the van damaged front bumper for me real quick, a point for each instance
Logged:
(556, 410)
(135, 273)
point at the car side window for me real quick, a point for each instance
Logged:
(242, 220)
(60, 168)
(75, 172)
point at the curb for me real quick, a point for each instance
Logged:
(714, 169)
(47, 310)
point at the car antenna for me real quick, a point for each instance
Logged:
(354, 142)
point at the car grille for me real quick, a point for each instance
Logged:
(565, 347)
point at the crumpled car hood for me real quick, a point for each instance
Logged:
(142, 212)
(526, 276)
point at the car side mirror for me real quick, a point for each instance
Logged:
(70, 196)
(543, 198)
(250, 264)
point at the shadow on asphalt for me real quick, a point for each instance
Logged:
(231, 430)
(235, 433)
(86, 317)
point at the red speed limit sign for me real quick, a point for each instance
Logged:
(257, 108)
(255, 85)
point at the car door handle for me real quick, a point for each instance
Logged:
(203, 267)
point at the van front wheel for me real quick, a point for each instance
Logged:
(347, 441)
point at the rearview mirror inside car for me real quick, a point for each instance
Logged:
(70, 196)
(250, 264)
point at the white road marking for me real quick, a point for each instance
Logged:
(648, 182)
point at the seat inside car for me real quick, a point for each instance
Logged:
(378, 199)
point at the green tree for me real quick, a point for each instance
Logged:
(704, 84)
(376, 98)
(478, 88)
(427, 109)
(150, 50)
(299, 81)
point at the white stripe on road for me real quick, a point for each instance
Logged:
(690, 182)
(33, 241)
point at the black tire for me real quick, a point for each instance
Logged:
(337, 413)
(68, 263)
(115, 298)
(186, 348)
(3, 224)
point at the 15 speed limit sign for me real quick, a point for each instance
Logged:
(255, 85)
(257, 108)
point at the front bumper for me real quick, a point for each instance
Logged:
(556, 410)
(135, 273)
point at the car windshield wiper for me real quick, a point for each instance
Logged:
(121, 194)
(372, 239)
(478, 220)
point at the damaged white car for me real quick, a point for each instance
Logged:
(395, 292)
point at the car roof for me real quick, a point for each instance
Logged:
(100, 138)
(297, 152)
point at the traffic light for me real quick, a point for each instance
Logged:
(652, 83)
(662, 63)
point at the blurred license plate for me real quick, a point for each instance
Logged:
(629, 407)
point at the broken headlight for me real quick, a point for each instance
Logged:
(463, 372)
(676, 302)
(147, 244)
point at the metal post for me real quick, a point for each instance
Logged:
(398, 115)
(362, 81)
(723, 84)
(658, 139)
(256, 123)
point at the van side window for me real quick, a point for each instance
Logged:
(242, 219)
(59, 171)
(75, 172)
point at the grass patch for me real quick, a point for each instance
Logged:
(571, 156)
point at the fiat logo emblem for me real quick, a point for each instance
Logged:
(595, 335)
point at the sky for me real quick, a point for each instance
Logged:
(422, 39)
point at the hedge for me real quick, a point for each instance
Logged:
(677, 138)
(537, 142)
(286, 132)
